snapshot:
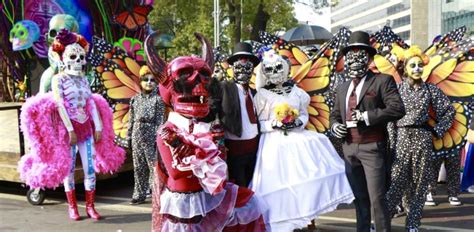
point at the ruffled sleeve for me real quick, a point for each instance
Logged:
(263, 111)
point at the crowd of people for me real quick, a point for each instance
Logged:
(233, 158)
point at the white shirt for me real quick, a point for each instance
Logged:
(184, 123)
(358, 90)
(249, 130)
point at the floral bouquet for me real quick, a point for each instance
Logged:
(285, 117)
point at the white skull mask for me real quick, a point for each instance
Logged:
(275, 68)
(74, 59)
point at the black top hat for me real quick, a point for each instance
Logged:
(359, 39)
(243, 50)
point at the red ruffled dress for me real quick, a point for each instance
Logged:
(192, 193)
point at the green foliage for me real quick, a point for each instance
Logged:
(180, 18)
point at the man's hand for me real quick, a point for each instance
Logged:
(72, 138)
(339, 130)
(357, 115)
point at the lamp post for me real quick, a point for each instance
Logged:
(216, 23)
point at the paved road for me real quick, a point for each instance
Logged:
(16, 214)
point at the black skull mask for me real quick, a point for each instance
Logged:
(242, 71)
(356, 62)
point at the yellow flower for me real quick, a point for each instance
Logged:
(283, 110)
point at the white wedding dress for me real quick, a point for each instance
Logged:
(300, 175)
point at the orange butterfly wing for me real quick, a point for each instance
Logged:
(121, 116)
(454, 139)
(451, 68)
(134, 18)
(380, 64)
(318, 111)
(119, 76)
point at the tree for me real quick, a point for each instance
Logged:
(181, 18)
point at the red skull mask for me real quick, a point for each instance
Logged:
(183, 81)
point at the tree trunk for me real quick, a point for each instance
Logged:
(7, 93)
(238, 23)
(235, 18)
(260, 22)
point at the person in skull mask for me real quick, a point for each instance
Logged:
(238, 116)
(411, 137)
(69, 119)
(298, 173)
(362, 109)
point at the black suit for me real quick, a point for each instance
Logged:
(366, 162)
(241, 155)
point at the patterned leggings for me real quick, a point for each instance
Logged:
(86, 151)
(411, 172)
(143, 164)
(453, 178)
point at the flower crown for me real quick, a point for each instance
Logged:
(65, 38)
(144, 70)
(415, 51)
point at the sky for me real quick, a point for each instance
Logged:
(304, 14)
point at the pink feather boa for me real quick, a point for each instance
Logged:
(49, 160)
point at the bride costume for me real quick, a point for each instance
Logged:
(298, 175)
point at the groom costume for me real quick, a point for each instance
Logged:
(363, 107)
(238, 116)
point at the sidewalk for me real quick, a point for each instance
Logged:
(113, 195)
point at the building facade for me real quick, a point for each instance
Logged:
(416, 21)
(456, 13)
(372, 15)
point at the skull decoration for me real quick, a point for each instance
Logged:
(59, 22)
(74, 59)
(275, 68)
(56, 24)
(356, 62)
(23, 34)
(71, 48)
(184, 81)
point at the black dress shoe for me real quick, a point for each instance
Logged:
(136, 202)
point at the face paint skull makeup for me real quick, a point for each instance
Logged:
(242, 69)
(74, 59)
(414, 68)
(148, 83)
(356, 62)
